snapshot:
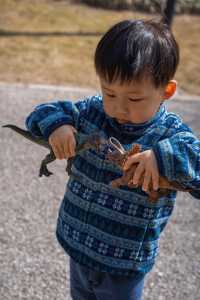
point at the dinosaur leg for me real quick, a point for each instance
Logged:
(43, 168)
(116, 183)
(155, 195)
(136, 148)
(123, 180)
(69, 165)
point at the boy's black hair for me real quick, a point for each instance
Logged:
(133, 49)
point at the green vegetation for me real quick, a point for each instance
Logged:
(68, 59)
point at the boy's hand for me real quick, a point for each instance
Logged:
(63, 142)
(147, 168)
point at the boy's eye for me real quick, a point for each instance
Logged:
(110, 95)
(135, 100)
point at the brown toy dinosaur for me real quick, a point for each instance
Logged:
(119, 157)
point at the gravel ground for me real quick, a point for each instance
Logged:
(33, 266)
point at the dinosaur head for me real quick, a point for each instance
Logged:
(92, 141)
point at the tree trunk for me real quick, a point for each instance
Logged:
(169, 11)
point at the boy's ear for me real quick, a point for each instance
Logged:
(170, 89)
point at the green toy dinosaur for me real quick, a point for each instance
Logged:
(83, 142)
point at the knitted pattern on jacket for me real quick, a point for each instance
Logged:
(117, 230)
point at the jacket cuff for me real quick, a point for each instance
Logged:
(164, 158)
(51, 123)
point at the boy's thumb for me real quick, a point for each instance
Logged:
(131, 160)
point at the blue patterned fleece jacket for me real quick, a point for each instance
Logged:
(116, 230)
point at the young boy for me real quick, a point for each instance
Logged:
(111, 234)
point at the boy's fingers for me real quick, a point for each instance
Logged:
(147, 180)
(138, 173)
(72, 152)
(132, 159)
(57, 152)
(155, 180)
(66, 150)
(74, 130)
(55, 148)
(69, 147)
(62, 152)
(72, 146)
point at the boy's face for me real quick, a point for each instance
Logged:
(134, 102)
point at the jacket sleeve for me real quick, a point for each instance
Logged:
(47, 117)
(178, 159)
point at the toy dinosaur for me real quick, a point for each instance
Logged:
(119, 157)
(83, 142)
(115, 154)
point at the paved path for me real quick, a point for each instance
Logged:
(32, 265)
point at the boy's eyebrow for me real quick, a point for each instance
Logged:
(106, 88)
(131, 92)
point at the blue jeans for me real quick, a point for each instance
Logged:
(86, 284)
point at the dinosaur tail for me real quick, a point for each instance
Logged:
(28, 135)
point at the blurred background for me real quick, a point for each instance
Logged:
(53, 41)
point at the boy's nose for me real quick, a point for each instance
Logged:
(123, 112)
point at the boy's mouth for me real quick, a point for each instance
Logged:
(121, 121)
